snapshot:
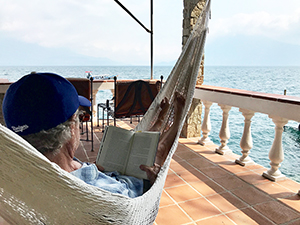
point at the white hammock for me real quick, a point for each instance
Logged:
(35, 191)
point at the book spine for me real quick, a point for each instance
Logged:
(101, 144)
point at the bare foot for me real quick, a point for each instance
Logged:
(178, 104)
(168, 137)
(164, 107)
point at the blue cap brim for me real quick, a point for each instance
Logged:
(84, 101)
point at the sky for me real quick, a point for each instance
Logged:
(100, 32)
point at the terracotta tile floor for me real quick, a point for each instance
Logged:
(203, 187)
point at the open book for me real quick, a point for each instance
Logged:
(125, 150)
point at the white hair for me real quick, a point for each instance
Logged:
(52, 140)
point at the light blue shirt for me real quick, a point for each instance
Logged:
(110, 181)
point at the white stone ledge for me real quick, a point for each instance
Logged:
(276, 105)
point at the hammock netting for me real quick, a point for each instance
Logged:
(35, 191)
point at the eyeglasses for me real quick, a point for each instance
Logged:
(84, 116)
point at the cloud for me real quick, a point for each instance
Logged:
(54, 23)
(280, 27)
(93, 28)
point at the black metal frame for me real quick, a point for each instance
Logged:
(91, 119)
(110, 112)
(142, 25)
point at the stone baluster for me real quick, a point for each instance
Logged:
(246, 141)
(276, 152)
(224, 131)
(206, 125)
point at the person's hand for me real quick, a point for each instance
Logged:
(151, 171)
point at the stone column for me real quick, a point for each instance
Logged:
(192, 10)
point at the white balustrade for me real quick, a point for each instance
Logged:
(276, 152)
(280, 108)
(246, 140)
(224, 131)
(206, 124)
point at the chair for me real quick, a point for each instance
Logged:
(84, 87)
(131, 98)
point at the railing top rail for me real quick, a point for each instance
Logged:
(283, 106)
(252, 94)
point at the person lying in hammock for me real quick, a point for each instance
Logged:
(43, 108)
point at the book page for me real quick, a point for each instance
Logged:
(114, 149)
(143, 151)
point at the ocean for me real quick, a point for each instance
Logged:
(262, 79)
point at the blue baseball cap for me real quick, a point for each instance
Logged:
(40, 101)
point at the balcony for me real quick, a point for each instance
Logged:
(279, 108)
(209, 184)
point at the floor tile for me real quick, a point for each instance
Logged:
(257, 216)
(173, 180)
(171, 215)
(277, 212)
(182, 148)
(193, 175)
(255, 167)
(252, 177)
(207, 153)
(217, 158)
(192, 209)
(207, 188)
(252, 195)
(181, 165)
(182, 193)
(183, 140)
(165, 200)
(292, 201)
(177, 158)
(186, 155)
(193, 144)
(226, 202)
(275, 190)
(294, 222)
(233, 167)
(290, 184)
(216, 220)
(215, 172)
(200, 163)
(241, 218)
(231, 182)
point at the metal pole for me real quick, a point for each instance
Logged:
(149, 31)
(151, 45)
(139, 22)
(92, 113)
